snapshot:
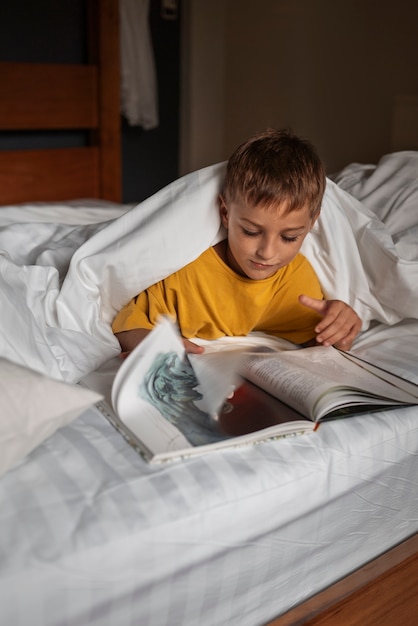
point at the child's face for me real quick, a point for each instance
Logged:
(260, 240)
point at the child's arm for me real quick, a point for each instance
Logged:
(129, 339)
(340, 324)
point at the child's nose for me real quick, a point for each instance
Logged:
(267, 249)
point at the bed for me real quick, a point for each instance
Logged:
(314, 529)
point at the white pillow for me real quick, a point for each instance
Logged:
(33, 407)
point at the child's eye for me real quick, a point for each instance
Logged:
(289, 239)
(250, 233)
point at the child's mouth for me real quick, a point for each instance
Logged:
(261, 266)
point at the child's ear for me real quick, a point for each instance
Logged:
(223, 211)
(313, 220)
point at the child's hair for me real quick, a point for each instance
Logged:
(273, 167)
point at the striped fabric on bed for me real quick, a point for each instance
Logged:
(91, 534)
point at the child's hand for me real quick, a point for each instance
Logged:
(340, 324)
(192, 348)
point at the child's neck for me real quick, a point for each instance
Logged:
(221, 249)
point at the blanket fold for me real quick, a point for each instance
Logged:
(59, 322)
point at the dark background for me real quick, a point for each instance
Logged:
(54, 31)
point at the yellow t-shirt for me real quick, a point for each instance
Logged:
(209, 300)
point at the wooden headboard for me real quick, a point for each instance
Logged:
(66, 97)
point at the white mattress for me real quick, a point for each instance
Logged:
(90, 534)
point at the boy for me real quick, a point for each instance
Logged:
(253, 279)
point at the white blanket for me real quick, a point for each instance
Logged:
(61, 283)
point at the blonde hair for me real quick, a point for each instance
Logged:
(276, 167)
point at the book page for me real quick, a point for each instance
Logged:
(174, 404)
(285, 381)
(158, 397)
(409, 389)
(159, 404)
(346, 372)
(217, 373)
(251, 409)
(315, 380)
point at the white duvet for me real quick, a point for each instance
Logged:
(66, 270)
(99, 536)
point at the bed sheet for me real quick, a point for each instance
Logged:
(91, 534)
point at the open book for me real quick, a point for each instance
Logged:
(239, 391)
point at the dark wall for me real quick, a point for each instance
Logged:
(43, 31)
(150, 157)
(54, 31)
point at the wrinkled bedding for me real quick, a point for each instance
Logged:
(66, 271)
(90, 533)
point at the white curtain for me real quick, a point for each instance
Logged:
(139, 94)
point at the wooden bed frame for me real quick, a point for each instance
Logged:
(382, 593)
(47, 97)
(66, 97)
